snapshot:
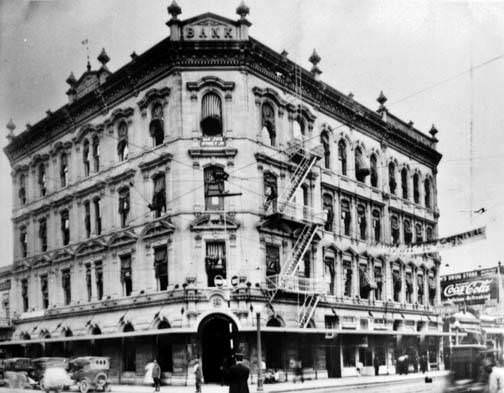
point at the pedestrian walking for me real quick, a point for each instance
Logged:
(376, 364)
(423, 364)
(148, 380)
(238, 376)
(198, 376)
(156, 375)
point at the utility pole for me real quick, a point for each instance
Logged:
(259, 353)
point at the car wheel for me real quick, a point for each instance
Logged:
(84, 386)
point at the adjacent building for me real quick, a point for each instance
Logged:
(206, 181)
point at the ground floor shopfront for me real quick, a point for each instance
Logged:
(322, 353)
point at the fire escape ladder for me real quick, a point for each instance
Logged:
(266, 293)
(308, 309)
(300, 247)
(302, 169)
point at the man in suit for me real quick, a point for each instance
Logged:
(238, 376)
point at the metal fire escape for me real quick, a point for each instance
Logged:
(288, 280)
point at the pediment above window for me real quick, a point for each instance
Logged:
(160, 160)
(117, 114)
(214, 222)
(87, 129)
(111, 181)
(157, 228)
(37, 158)
(269, 93)
(151, 96)
(62, 255)
(90, 247)
(122, 238)
(40, 260)
(59, 147)
(207, 81)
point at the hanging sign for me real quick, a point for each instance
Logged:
(432, 246)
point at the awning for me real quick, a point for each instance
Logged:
(152, 332)
(494, 330)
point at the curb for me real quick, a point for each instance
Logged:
(353, 385)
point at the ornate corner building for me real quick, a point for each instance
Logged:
(209, 179)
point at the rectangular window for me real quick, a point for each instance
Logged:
(397, 285)
(409, 287)
(87, 218)
(346, 218)
(43, 234)
(158, 204)
(89, 284)
(24, 294)
(23, 241)
(64, 169)
(126, 279)
(65, 227)
(378, 276)
(42, 180)
(272, 259)
(99, 279)
(420, 289)
(66, 284)
(347, 276)
(85, 158)
(97, 214)
(215, 262)
(96, 154)
(330, 269)
(161, 267)
(44, 289)
(214, 178)
(124, 206)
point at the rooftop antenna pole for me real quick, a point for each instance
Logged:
(86, 43)
(471, 139)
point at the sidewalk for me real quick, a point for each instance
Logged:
(288, 386)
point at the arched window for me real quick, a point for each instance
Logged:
(392, 180)
(298, 128)
(418, 232)
(65, 227)
(394, 229)
(416, 190)
(64, 169)
(361, 168)
(342, 157)
(420, 287)
(373, 161)
(268, 122)
(327, 203)
(158, 204)
(362, 221)
(42, 180)
(122, 145)
(408, 234)
(270, 190)
(22, 189)
(85, 157)
(404, 182)
(211, 115)
(376, 225)
(346, 218)
(427, 186)
(324, 139)
(96, 153)
(156, 126)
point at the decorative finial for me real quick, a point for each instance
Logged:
(351, 95)
(284, 53)
(174, 9)
(71, 79)
(410, 124)
(103, 58)
(133, 55)
(314, 58)
(88, 66)
(381, 99)
(11, 127)
(433, 131)
(242, 10)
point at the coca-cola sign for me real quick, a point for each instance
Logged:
(474, 287)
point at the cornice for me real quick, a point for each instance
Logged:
(158, 161)
(166, 56)
(126, 175)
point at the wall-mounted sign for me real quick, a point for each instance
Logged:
(209, 30)
(474, 287)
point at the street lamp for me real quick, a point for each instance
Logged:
(259, 352)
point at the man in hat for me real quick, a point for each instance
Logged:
(238, 376)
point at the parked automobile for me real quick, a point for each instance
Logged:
(90, 373)
(17, 372)
(50, 373)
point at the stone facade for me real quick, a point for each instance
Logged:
(100, 258)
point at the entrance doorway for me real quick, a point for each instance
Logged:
(217, 334)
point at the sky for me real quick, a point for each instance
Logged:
(418, 52)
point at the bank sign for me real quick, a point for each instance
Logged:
(474, 287)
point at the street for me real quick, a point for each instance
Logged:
(409, 386)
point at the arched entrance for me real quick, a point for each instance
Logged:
(218, 339)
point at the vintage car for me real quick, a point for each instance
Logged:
(90, 373)
(17, 372)
(49, 373)
(467, 369)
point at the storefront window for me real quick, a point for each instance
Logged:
(348, 356)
